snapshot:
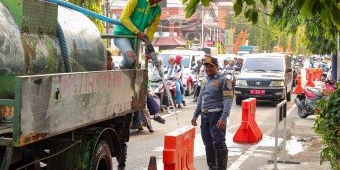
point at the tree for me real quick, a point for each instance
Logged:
(92, 5)
(319, 17)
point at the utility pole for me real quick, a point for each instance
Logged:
(202, 33)
(107, 9)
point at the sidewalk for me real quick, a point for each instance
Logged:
(309, 158)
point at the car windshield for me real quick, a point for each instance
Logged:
(263, 65)
(185, 61)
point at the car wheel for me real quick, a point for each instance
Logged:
(238, 100)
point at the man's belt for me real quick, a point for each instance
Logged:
(206, 110)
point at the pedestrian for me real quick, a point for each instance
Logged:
(214, 104)
(137, 16)
(153, 105)
(179, 66)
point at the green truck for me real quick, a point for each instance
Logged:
(59, 106)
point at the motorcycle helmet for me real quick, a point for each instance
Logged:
(178, 59)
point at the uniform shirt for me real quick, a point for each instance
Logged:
(216, 93)
(137, 16)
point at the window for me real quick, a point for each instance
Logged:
(263, 64)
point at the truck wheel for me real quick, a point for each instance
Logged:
(121, 159)
(102, 159)
(238, 100)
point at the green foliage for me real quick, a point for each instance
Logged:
(328, 9)
(92, 5)
(328, 126)
(191, 8)
(264, 34)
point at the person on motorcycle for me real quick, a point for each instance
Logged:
(178, 62)
(202, 77)
(156, 78)
(197, 70)
(174, 73)
(230, 69)
(154, 72)
(225, 63)
(153, 105)
(300, 60)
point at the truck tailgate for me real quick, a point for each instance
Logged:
(57, 103)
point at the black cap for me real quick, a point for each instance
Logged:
(211, 60)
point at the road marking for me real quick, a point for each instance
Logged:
(236, 165)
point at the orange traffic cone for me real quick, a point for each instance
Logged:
(298, 88)
(152, 163)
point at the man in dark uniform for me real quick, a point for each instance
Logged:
(214, 103)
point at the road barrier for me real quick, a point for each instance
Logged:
(318, 74)
(178, 153)
(310, 79)
(152, 163)
(248, 132)
(281, 113)
(298, 89)
(313, 74)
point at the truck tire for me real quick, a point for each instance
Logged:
(101, 159)
(121, 159)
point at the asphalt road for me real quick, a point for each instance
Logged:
(144, 144)
(302, 145)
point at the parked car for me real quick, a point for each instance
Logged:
(265, 76)
(188, 61)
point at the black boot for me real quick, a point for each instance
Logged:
(183, 102)
(211, 158)
(222, 159)
(149, 126)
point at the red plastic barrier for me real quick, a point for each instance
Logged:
(298, 89)
(178, 153)
(310, 80)
(318, 74)
(248, 132)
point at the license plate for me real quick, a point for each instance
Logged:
(257, 92)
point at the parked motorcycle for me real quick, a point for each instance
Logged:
(156, 87)
(307, 100)
(197, 86)
(172, 88)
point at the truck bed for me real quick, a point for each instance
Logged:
(53, 104)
